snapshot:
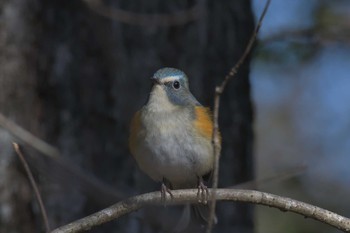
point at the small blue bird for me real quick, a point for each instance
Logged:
(171, 136)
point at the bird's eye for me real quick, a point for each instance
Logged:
(176, 84)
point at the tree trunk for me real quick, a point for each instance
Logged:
(88, 74)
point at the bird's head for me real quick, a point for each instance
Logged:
(171, 89)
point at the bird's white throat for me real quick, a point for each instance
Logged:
(159, 101)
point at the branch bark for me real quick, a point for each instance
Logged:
(190, 196)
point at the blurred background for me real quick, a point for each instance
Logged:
(74, 72)
(301, 92)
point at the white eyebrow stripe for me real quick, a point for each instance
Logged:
(170, 78)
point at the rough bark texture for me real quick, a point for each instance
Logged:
(75, 78)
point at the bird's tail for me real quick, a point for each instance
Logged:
(197, 214)
(201, 213)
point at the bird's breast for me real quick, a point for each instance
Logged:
(169, 147)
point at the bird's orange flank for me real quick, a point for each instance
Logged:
(203, 121)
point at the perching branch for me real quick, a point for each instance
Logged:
(218, 91)
(34, 186)
(190, 196)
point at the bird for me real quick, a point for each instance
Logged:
(171, 135)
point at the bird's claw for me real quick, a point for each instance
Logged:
(164, 190)
(203, 193)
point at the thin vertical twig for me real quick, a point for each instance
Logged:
(218, 91)
(34, 186)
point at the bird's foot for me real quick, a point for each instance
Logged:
(164, 190)
(203, 193)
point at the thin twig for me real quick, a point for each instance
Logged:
(247, 50)
(190, 196)
(124, 16)
(28, 138)
(34, 186)
(218, 91)
(254, 184)
(86, 180)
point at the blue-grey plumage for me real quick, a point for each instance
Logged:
(176, 87)
(171, 135)
(168, 73)
(168, 142)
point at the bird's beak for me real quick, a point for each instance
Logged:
(155, 80)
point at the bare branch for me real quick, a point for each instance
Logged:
(86, 180)
(28, 138)
(190, 196)
(218, 91)
(124, 16)
(34, 186)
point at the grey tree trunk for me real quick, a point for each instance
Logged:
(74, 78)
(19, 101)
